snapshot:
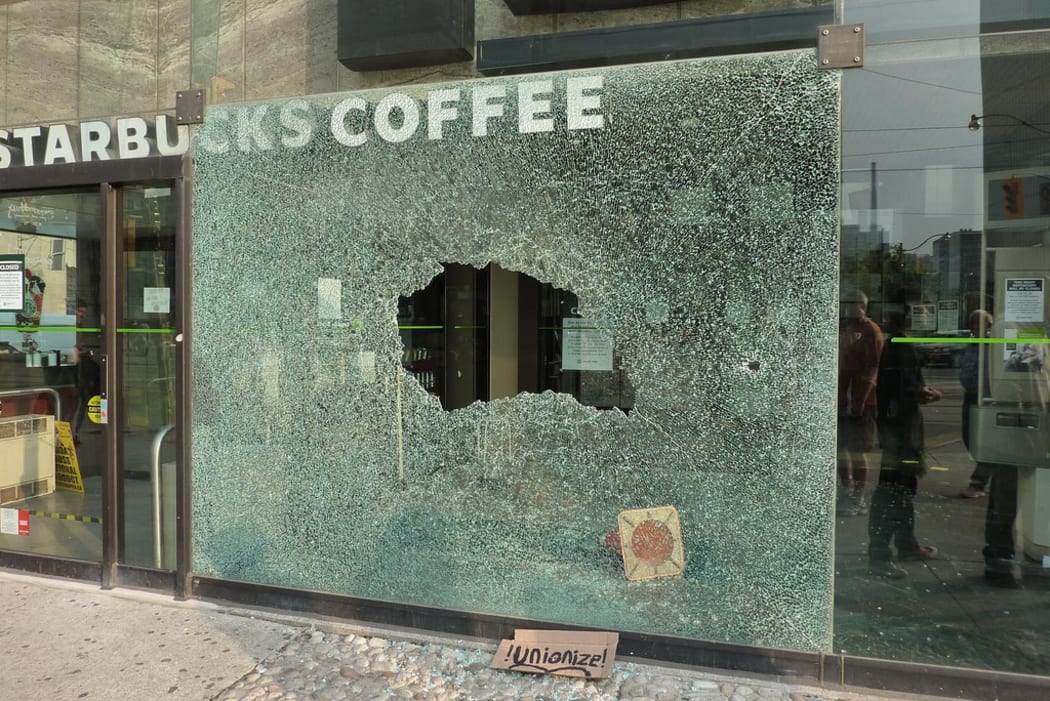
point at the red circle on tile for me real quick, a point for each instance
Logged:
(652, 542)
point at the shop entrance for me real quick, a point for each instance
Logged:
(88, 375)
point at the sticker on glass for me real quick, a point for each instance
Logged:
(156, 300)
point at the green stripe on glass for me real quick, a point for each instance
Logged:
(34, 329)
(993, 341)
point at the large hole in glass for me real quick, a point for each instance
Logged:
(481, 334)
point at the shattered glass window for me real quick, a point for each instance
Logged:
(677, 219)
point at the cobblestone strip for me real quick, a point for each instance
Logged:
(326, 666)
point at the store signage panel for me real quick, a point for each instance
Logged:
(541, 106)
(404, 33)
(94, 140)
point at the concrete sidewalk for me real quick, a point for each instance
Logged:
(70, 640)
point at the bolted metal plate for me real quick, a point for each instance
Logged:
(840, 46)
(189, 106)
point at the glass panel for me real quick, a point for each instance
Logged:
(689, 207)
(944, 268)
(51, 447)
(147, 332)
(891, 20)
(886, 20)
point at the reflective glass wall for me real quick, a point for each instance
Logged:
(943, 508)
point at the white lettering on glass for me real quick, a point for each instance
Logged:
(409, 118)
(299, 129)
(581, 106)
(438, 113)
(339, 121)
(250, 128)
(529, 106)
(484, 107)
(210, 143)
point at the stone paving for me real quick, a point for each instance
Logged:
(322, 665)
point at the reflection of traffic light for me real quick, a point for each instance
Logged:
(1013, 198)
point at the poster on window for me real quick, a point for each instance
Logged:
(584, 346)
(1024, 299)
(948, 315)
(923, 317)
(12, 283)
(1028, 353)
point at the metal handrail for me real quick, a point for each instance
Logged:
(37, 390)
(158, 439)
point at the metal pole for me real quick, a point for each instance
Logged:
(158, 541)
(37, 390)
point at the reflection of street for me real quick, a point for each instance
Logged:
(944, 612)
(943, 418)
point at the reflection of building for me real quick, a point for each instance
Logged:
(957, 262)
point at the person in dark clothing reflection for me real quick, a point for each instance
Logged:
(89, 384)
(980, 324)
(901, 393)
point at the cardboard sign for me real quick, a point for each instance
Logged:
(67, 466)
(564, 652)
(651, 543)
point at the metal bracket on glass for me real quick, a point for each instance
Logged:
(189, 106)
(840, 46)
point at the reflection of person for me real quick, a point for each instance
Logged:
(901, 392)
(89, 384)
(999, 552)
(980, 324)
(860, 345)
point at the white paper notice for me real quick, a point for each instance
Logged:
(948, 315)
(156, 300)
(1024, 299)
(585, 347)
(329, 298)
(12, 281)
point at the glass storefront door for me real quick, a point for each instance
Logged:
(66, 387)
(51, 353)
(146, 333)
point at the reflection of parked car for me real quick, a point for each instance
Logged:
(946, 353)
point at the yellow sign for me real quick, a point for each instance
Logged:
(67, 466)
(94, 410)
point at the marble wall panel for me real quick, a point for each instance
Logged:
(118, 57)
(716, 8)
(579, 21)
(173, 51)
(41, 62)
(303, 62)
